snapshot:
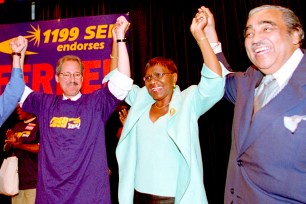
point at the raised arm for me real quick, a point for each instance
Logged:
(199, 22)
(22, 52)
(210, 30)
(120, 28)
(114, 53)
(19, 46)
(120, 82)
(15, 87)
(212, 36)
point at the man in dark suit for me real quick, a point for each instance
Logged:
(267, 161)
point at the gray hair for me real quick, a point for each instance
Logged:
(291, 20)
(68, 58)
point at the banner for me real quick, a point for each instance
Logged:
(89, 38)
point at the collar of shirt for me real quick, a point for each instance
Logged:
(76, 97)
(285, 72)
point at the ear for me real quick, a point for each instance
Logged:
(56, 78)
(295, 37)
(175, 77)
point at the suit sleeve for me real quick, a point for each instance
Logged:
(11, 94)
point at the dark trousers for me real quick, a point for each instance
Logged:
(143, 198)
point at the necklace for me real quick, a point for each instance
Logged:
(162, 106)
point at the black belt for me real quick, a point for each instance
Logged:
(144, 198)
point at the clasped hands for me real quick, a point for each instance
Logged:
(19, 44)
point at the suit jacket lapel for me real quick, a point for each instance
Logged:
(143, 101)
(244, 110)
(294, 92)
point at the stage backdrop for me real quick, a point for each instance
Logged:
(89, 38)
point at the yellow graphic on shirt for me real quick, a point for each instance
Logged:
(23, 134)
(65, 122)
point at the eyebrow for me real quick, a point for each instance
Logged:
(71, 73)
(260, 23)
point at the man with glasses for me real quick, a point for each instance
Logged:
(72, 159)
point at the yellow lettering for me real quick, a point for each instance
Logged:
(90, 30)
(101, 31)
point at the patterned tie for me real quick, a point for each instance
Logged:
(265, 91)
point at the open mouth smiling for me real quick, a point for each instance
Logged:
(156, 89)
(261, 50)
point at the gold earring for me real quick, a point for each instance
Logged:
(173, 86)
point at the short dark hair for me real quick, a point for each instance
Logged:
(162, 61)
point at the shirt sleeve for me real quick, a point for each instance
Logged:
(119, 84)
(11, 94)
(27, 91)
(217, 48)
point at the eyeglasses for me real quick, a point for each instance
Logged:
(154, 75)
(67, 75)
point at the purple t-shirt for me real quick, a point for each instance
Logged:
(72, 159)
